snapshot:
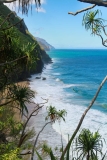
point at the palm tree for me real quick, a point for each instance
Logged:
(54, 115)
(88, 144)
(22, 95)
(91, 22)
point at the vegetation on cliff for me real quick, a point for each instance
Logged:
(20, 55)
(24, 41)
(15, 137)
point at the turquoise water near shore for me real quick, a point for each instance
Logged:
(85, 69)
(71, 82)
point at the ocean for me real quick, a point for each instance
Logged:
(71, 82)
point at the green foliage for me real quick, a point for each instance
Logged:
(8, 128)
(13, 46)
(12, 155)
(48, 151)
(16, 56)
(21, 95)
(88, 145)
(6, 116)
(91, 22)
(16, 43)
(31, 57)
(54, 115)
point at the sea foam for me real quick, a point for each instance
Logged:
(53, 91)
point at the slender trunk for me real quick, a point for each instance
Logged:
(33, 149)
(88, 156)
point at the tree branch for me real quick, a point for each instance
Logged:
(103, 42)
(85, 9)
(24, 127)
(25, 153)
(103, 27)
(4, 104)
(82, 118)
(97, 2)
(2, 64)
(12, 25)
(6, 19)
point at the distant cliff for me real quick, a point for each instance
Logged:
(25, 38)
(45, 45)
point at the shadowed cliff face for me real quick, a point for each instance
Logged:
(26, 37)
(45, 57)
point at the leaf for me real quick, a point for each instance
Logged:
(52, 156)
(40, 158)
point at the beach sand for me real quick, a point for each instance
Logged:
(48, 135)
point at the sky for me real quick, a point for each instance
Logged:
(63, 31)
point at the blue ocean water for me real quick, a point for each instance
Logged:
(85, 69)
(71, 82)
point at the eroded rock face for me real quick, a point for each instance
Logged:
(45, 57)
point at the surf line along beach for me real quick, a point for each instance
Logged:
(71, 82)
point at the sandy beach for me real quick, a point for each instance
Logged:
(48, 135)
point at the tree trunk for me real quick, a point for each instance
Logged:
(88, 156)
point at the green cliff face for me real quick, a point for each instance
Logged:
(26, 38)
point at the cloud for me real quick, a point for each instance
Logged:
(37, 31)
(40, 9)
(14, 5)
(43, 1)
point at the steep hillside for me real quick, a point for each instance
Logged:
(25, 38)
(45, 45)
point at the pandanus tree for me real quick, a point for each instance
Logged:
(15, 59)
(54, 115)
(92, 22)
(88, 145)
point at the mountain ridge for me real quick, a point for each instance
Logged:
(44, 44)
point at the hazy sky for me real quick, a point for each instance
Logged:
(52, 23)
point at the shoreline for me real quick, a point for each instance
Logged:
(48, 135)
(61, 94)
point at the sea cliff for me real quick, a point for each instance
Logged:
(25, 38)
